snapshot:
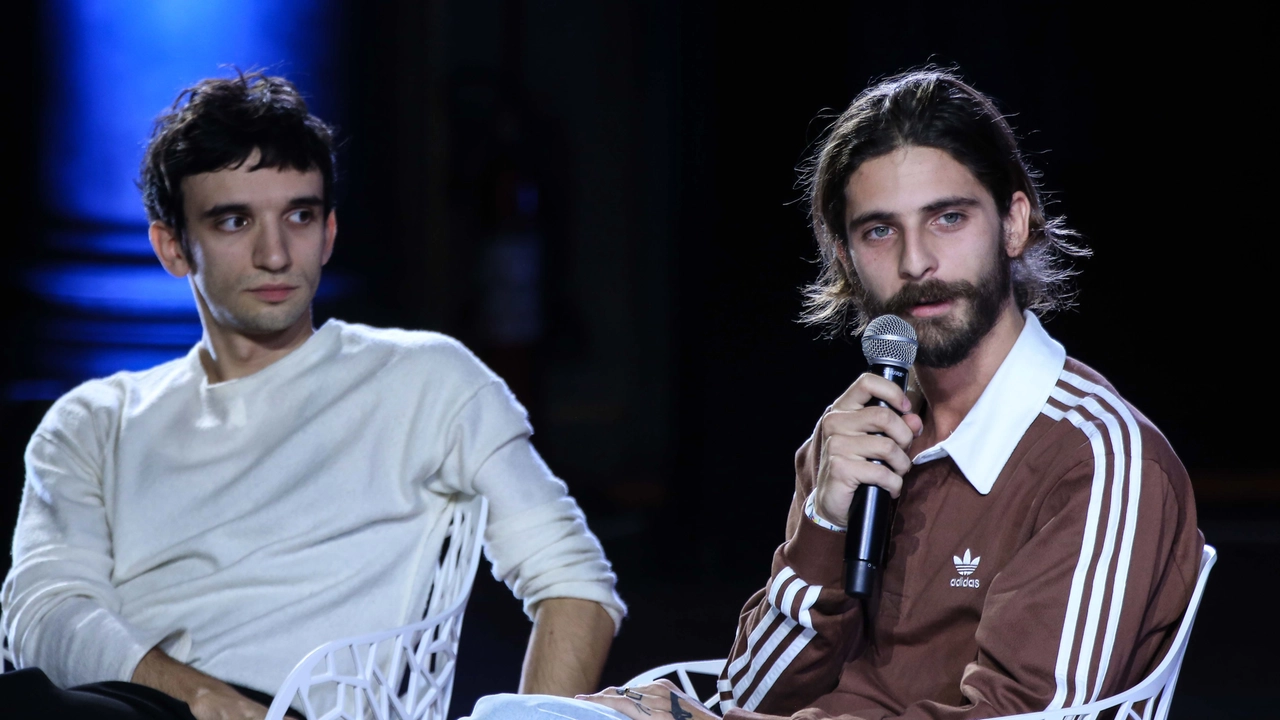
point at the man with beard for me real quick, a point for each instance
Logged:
(1044, 545)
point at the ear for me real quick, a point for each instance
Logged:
(168, 249)
(842, 254)
(330, 234)
(1017, 225)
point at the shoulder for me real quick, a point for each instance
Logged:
(425, 366)
(1106, 431)
(420, 349)
(92, 411)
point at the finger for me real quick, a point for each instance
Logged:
(869, 447)
(848, 473)
(869, 386)
(915, 422)
(631, 708)
(868, 420)
(658, 688)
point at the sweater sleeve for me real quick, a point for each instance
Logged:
(537, 537)
(795, 634)
(1087, 605)
(61, 611)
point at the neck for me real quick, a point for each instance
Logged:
(952, 392)
(227, 354)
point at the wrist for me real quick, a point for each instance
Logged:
(811, 512)
(159, 671)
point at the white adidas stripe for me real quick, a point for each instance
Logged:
(757, 632)
(758, 657)
(784, 661)
(810, 598)
(790, 596)
(740, 662)
(727, 701)
(786, 574)
(1076, 593)
(1081, 691)
(1089, 638)
(1130, 521)
(754, 658)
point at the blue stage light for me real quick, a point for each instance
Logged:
(135, 290)
(113, 65)
(142, 290)
(120, 63)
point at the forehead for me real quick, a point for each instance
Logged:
(908, 179)
(264, 187)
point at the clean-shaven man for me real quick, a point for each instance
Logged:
(196, 528)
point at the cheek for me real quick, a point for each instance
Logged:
(868, 267)
(216, 271)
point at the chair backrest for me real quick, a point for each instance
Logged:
(682, 670)
(403, 673)
(1150, 699)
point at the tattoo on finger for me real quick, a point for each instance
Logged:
(642, 708)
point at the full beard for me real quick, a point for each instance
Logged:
(947, 340)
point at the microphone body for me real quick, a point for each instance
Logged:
(870, 515)
(889, 345)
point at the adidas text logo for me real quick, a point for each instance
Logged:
(965, 566)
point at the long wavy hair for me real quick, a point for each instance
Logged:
(929, 108)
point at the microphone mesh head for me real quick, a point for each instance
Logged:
(889, 340)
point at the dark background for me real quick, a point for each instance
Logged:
(667, 378)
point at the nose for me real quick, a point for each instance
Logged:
(271, 248)
(917, 260)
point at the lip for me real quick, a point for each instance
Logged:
(273, 293)
(931, 309)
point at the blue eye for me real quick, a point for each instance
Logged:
(301, 216)
(951, 218)
(879, 232)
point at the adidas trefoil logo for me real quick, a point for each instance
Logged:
(966, 566)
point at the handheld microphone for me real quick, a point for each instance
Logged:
(889, 345)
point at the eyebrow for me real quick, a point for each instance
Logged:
(935, 206)
(948, 202)
(243, 209)
(224, 209)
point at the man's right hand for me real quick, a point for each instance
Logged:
(848, 445)
(208, 697)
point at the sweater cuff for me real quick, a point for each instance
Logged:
(816, 555)
(82, 642)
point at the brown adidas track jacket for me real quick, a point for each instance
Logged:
(1041, 557)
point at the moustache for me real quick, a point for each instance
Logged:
(928, 292)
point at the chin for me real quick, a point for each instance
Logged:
(269, 322)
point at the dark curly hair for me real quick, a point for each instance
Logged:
(929, 108)
(217, 124)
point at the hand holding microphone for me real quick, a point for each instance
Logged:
(865, 435)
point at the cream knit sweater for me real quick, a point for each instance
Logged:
(241, 524)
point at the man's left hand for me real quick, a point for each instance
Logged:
(660, 701)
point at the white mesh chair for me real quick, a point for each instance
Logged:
(1148, 700)
(403, 673)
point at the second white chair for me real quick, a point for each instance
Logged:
(1150, 699)
(403, 673)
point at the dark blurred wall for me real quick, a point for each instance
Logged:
(664, 369)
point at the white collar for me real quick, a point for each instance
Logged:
(986, 437)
